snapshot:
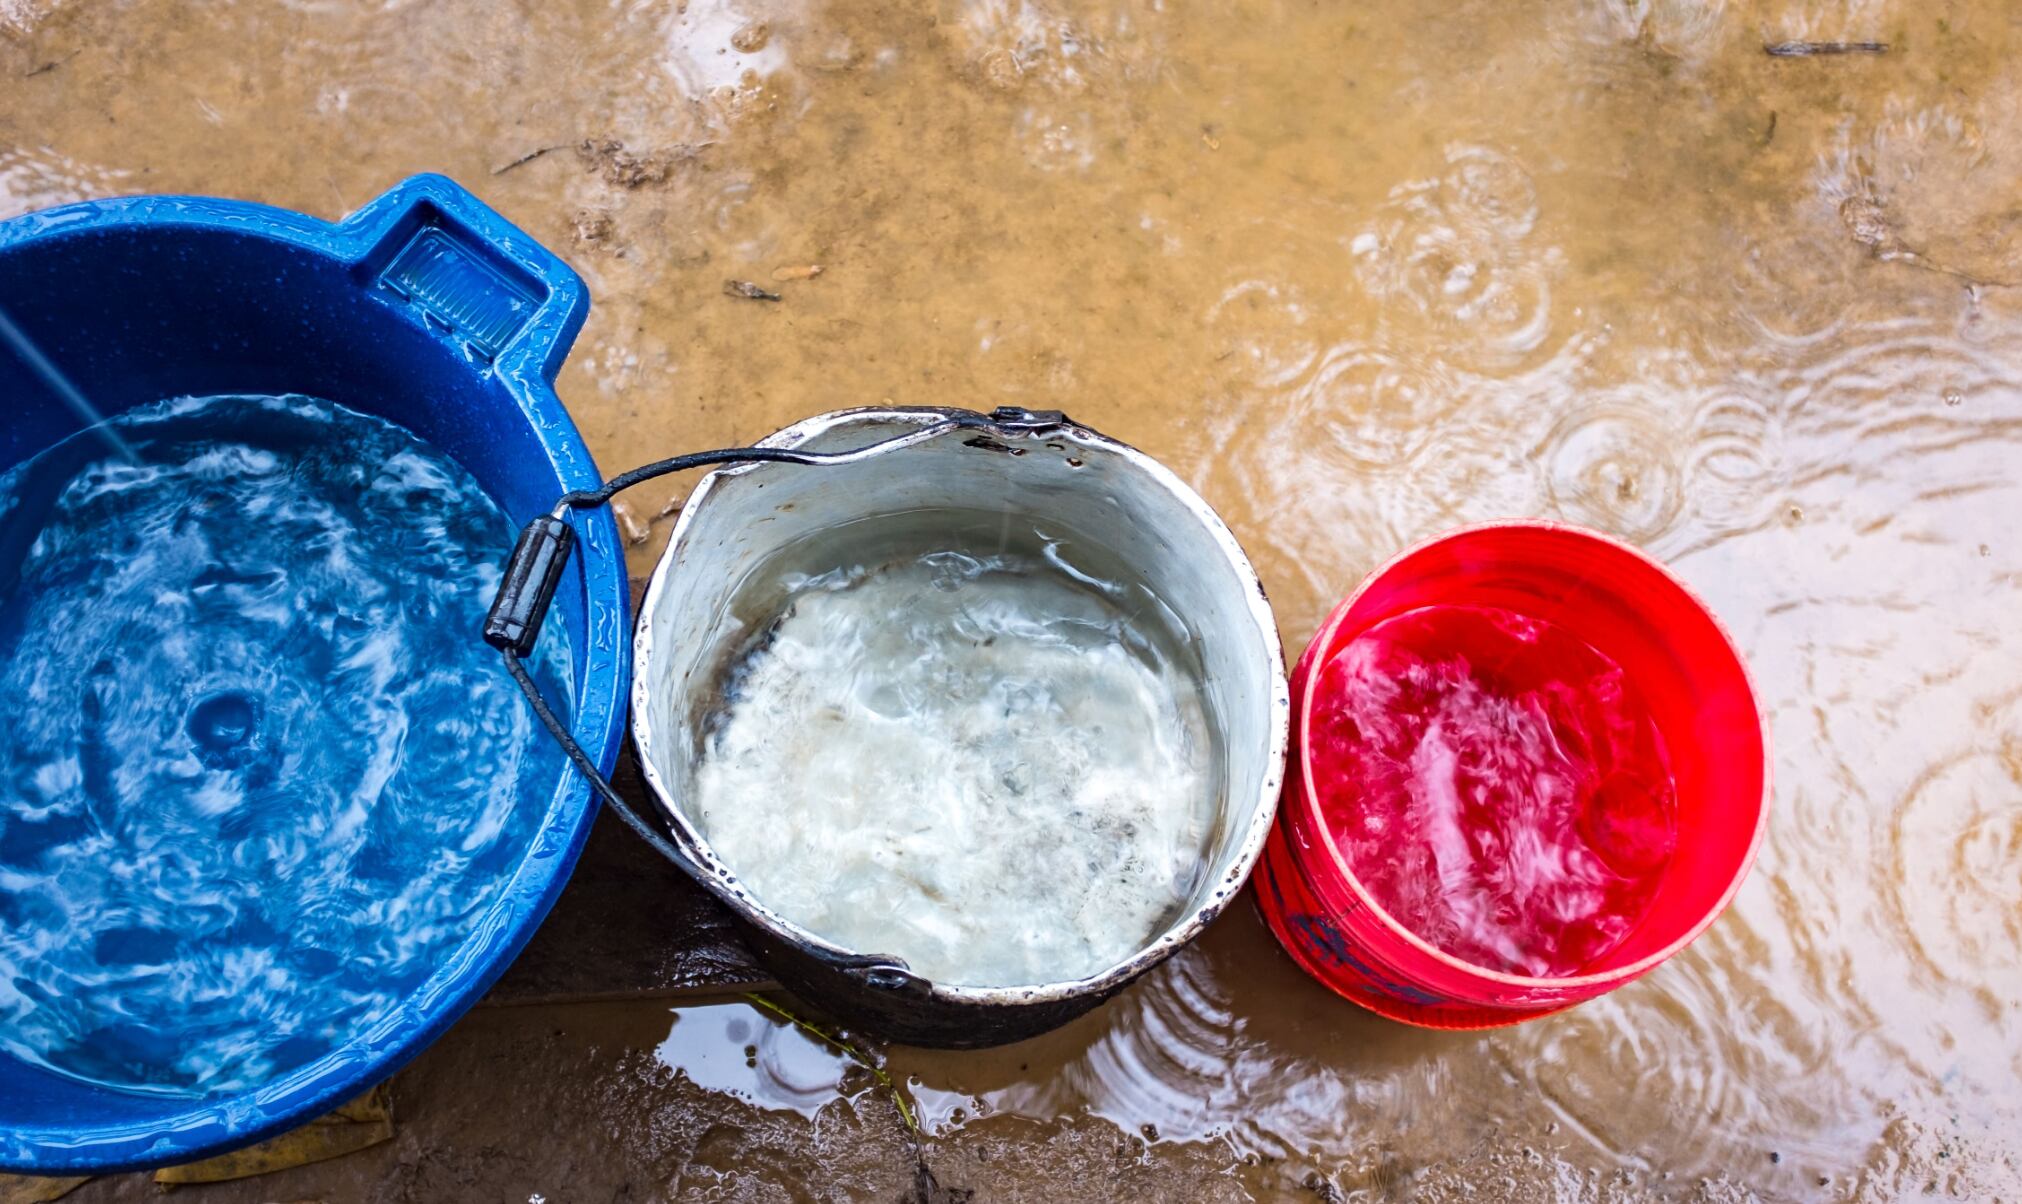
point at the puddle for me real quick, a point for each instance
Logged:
(736, 1049)
(1358, 276)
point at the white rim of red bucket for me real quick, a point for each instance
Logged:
(1309, 801)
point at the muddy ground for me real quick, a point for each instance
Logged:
(1357, 272)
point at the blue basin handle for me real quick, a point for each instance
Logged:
(429, 245)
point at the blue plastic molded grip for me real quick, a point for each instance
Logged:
(456, 289)
(432, 247)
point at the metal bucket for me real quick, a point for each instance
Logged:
(1040, 466)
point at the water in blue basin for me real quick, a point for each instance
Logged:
(259, 770)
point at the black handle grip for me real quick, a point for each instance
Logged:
(531, 578)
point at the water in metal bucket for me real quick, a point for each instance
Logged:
(960, 737)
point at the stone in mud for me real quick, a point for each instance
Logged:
(592, 227)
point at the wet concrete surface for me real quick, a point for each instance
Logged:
(1358, 273)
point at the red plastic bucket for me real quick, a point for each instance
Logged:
(1689, 674)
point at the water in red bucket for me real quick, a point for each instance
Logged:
(1497, 784)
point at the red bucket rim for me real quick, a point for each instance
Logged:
(1310, 804)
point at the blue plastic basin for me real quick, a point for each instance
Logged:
(427, 309)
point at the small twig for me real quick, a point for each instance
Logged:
(527, 158)
(854, 1055)
(1799, 50)
(51, 65)
(1916, 259)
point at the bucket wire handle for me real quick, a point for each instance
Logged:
(541, 556)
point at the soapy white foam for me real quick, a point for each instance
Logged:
(973, 763)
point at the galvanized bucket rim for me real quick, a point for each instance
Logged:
(707, 865)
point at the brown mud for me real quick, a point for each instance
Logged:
(1358, 272)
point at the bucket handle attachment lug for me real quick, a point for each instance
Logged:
(877, 972)
(1024, 421)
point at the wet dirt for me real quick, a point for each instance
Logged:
(1358, 273)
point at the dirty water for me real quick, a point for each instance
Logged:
(1358, 273)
